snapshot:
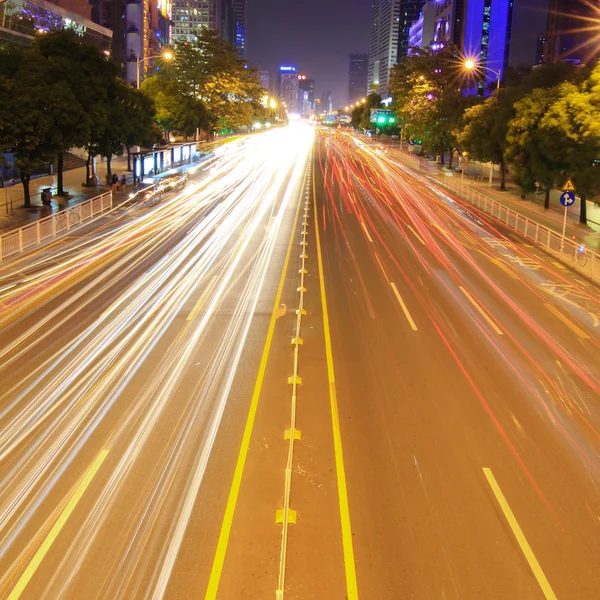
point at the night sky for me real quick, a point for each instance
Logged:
(314, 35)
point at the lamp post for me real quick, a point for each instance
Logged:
(165, 56)
(470, 65)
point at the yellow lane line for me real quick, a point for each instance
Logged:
(416, 234)
(499, 263)
(56, 528)
(201, 300)
(582, 334)
(404, 308)
(558, 265)
(481, 311)
(521, 539)
(349, 566)
(365, 230)
(219, 559)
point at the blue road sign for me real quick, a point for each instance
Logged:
(567, 198)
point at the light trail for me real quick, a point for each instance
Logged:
(113, 371)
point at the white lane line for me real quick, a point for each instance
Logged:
(404, 309)
(481, 311)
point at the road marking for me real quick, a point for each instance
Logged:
(201, 300)
(404, 308)
(381, 266)
(56, 528)
(365, 230)
(518, 532)
(481, 311)
(349, 566)
(416, 234)
(582, 334)
(234, 491)
(557, 264)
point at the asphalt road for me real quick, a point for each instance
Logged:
(446, 411)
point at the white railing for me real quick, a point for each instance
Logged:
(33, 234)
(574, 254)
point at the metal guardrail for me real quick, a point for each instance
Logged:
(29, 236)
(575, 255)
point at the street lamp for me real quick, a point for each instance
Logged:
(470, 65)
(168, 55)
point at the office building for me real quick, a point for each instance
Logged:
(289, 87)
(390, 25)
(571, 33)
(325, 102)
(421, 31)
(265, 80)
(189, 16)
(21, 19)
(358, 74)
(307, 95)
(499, 34)
(239, 11)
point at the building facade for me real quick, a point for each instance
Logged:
(289, 88)
(358, 76)
(306, 88)
(265, 80)
(571, 33)
(239, 11)
(390, 28)
(189, 16)
(21, 19)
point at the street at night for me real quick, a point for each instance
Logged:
(299, 301)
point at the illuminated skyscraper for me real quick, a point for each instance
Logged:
(358, 70)
(239, 11)
(189, 16)
(289, 87)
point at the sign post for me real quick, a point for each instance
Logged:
(567, 198)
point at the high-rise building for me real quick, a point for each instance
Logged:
(20, 19)
(265, 80)
(288, 88)
(307, 87)
(390, 25)
(189, 16)
(358, 74)
(239, 11)
(571, 33)
(326, 103)
(141, 29)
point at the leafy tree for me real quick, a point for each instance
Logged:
(33, 107)
(210, 71)
(426, 91)
(572, 124)
(537, 160)
(486, 128)
(90, 75)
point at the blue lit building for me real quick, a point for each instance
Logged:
(503, 33)
(289, 86)
(239, 10)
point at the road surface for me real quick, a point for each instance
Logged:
(444, 414)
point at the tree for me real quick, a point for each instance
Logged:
(427, 97)
(210, 71)
(538, 161)
(89, 75)
(572, 124)
(33, 110)
(486, 128)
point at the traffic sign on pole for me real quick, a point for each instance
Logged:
(567, 198)
(569, 186)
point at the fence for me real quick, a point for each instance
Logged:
(583, 260)
(29, 236)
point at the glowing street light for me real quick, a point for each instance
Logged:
(470, 65)
(166, 55)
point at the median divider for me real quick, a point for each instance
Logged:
(34, 234)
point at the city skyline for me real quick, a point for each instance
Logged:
(290, 34)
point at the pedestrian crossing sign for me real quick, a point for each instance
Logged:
(569, 186)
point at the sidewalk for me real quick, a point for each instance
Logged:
(72, 181)
(532, 206)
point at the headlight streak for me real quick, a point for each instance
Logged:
(67, 397)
